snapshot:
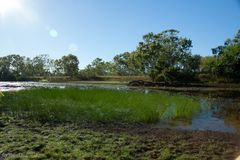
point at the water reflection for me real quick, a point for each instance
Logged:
(16, 86)
(215, 115)
(207, 121)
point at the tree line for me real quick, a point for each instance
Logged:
(164, 56)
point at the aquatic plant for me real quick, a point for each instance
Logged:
(95, 105)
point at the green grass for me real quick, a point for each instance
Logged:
(28, 140)
(21, 137)
(95, 105)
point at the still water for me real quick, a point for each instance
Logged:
(218, 112)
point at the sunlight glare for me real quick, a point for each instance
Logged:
(9, 6)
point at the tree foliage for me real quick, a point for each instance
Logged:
(166, 55)
(70, 65)
(127, 64)
(227, 58)
(98, 67)
(12, 67)
(16, 67)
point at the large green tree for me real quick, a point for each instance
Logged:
(128, 64)
(12, 67)
(70, 65)
(166, 55)
(41, 65)
(227, 58)
(58, 67)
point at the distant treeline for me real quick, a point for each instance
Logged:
(163, 57)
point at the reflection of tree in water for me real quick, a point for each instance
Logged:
(229, 110)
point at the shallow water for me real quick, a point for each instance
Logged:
(16, 86)
(217, 113)
(210, 117)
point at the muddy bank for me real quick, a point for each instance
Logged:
(186, 87)
(21, 139)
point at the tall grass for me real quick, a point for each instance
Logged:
(74, 105)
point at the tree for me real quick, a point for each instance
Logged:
(165, 54)
(98, 67)
(41, 65)
(191, 64)
(228, 58)
(208, 65)
(12, 67)
(127, 64)
(121, 62)
(29, 68)
(17, 66)
(58, 67)
(5, 73)
(70, 65)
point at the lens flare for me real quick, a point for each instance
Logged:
(53, 33)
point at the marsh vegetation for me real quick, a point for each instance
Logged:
(97, 105)
(110, 123)
(95, 91)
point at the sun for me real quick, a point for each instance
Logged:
(7, 6)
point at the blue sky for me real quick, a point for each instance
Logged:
(104, 28)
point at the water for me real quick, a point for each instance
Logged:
(217, 113)
(207, 121)
(210, 118)
(17, 86)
